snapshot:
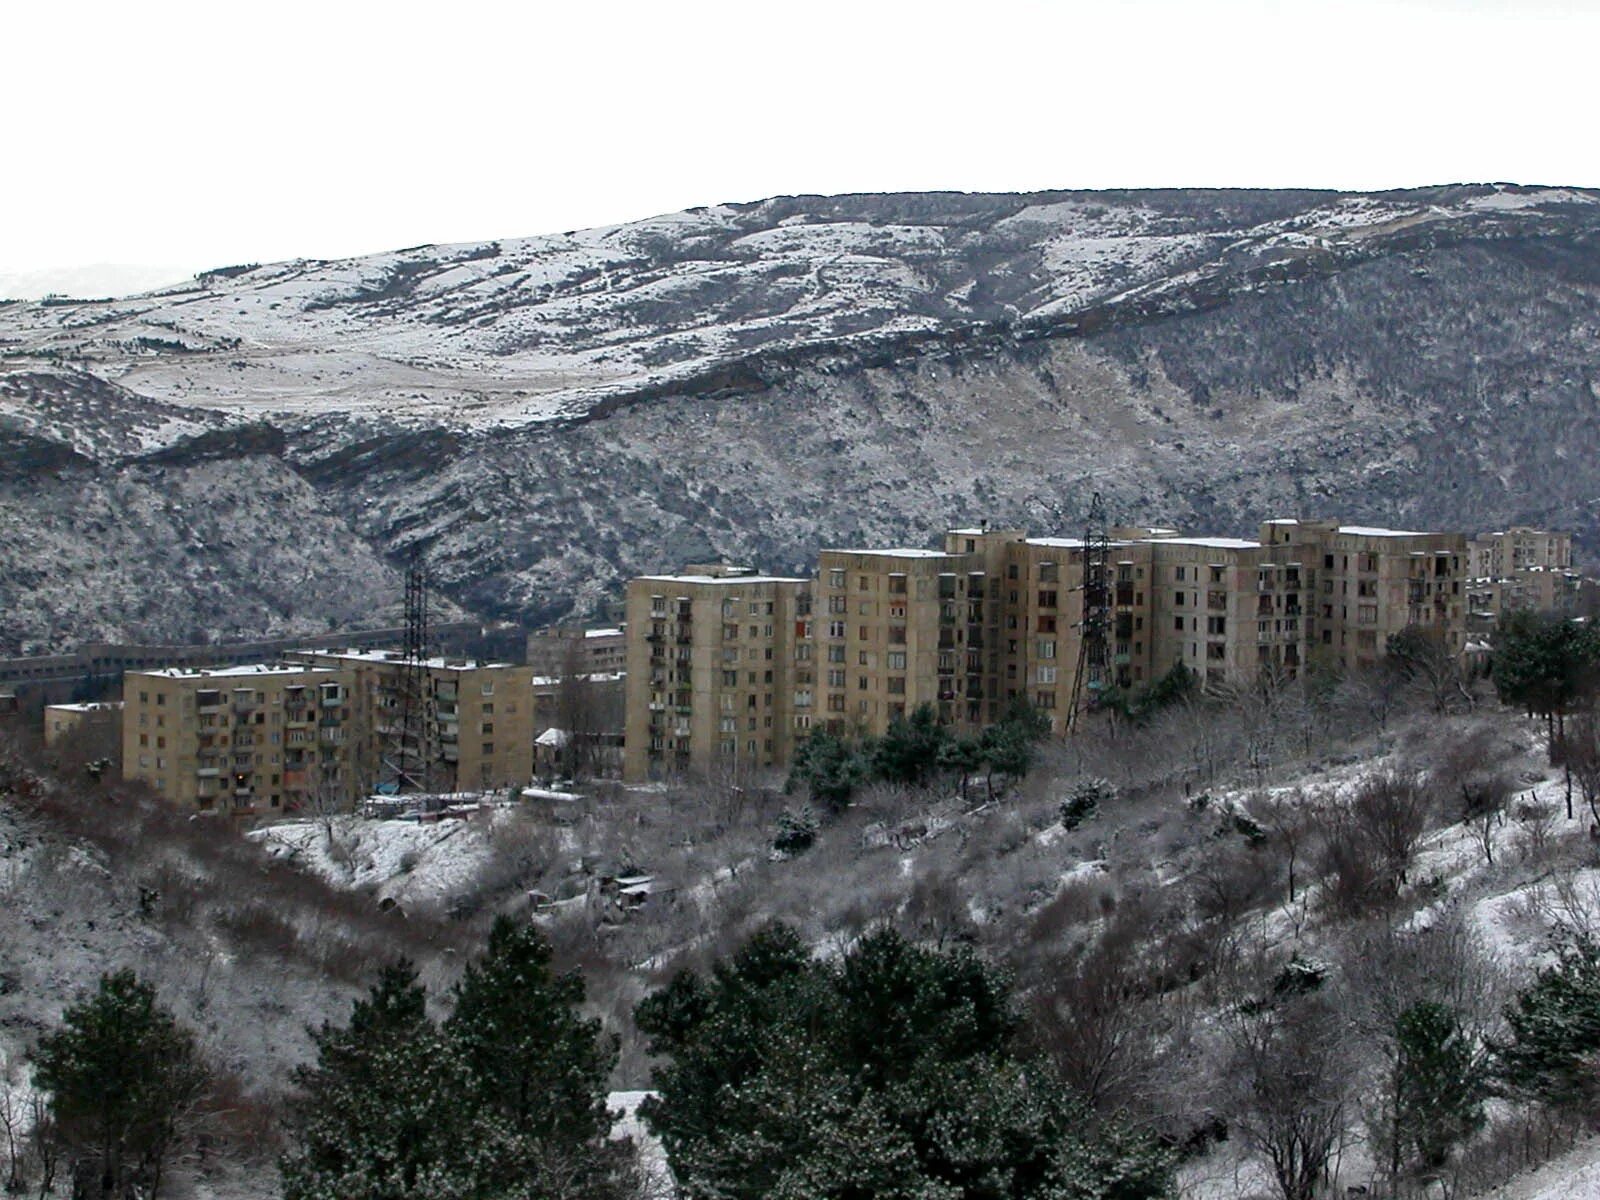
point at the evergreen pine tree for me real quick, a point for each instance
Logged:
(1440, 1093)
(378, 1117)
(537, 1072)
(121, 1075)
(1554, 1031)
(889, 1073)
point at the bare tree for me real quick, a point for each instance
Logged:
(1391, 811)
(1096, 1021)
(1293, 1081)
(13, 1121)
(1288, 820)
(586, 710)
(1471, 769)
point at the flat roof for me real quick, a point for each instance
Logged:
(1374, 531)
(1210, 543)
(395, 656)
(599, 633)
(725, 580)
(592, 676)
(1055, 543)
(95, 706)
(898, 552)
(246, 671)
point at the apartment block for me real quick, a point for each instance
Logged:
(476, 722)
(718, 666)
(563, 649)
(63, 721)
(1509, 552)
(997, 614)
(1371, 583)
(1519, 570)
(245, 742)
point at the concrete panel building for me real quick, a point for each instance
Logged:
(996, 614)
(63, 721)
(715, 672)
(245, 742)
(476, 723)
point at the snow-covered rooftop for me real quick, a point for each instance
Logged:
(601, 633)
(592, 676)
(898, 552)
(395, 656)
(248, 670)
(96, 706)
(728, 580)
(1374, 531)
(1210, 543)
(1057, 543)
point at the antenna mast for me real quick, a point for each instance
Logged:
(406, 754)
(1089, 680)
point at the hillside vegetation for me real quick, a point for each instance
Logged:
(548, 416)
(1218, 926)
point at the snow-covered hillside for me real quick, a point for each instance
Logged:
(534, 329)
(547, 416)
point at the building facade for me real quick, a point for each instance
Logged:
(996, 615)
(475, 720)
(715, 674)
(1520, 570)
(62, 721)
(564, 649)
(244, 742)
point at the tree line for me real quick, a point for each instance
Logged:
(894, 1070)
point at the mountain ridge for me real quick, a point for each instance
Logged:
(756, 380)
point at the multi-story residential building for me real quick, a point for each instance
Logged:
(573, 649)
(475, 725)
(1519, 570)
(1226, 608)
(996, 614)
(718, 669)
(68, 720)
(1507, 552)
(245, 742)
(1371, 583)
(893, 629)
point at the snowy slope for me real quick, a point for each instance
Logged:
(548, 416)
(534, 329)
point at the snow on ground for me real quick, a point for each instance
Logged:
(1572, 1176)
(652, 1157)
(539, 329)
(405, 861)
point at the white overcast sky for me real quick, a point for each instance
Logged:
(178, 136)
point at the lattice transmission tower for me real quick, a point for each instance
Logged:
(407, 757)
(1094, 627)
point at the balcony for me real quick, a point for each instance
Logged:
(331, 700)
(208, 772)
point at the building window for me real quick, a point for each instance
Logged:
(1047, 649)
(897, 685)
(1047, 599)
(836, 629)
(897, 660)
(836, 577)
(1047, 674)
